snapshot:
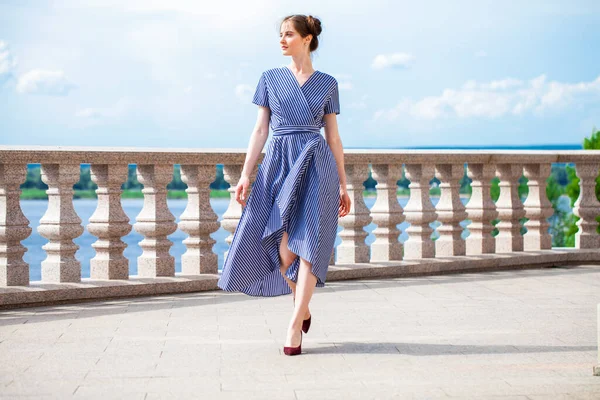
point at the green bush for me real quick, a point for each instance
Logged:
(572, 189)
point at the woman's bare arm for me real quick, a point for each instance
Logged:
(259, 136)
(332, 136)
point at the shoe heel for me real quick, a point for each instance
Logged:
(306, 322)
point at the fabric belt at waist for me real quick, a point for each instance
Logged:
(291, 129)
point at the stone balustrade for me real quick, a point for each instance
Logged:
(353, 257)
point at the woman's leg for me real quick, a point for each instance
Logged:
(286, 258)
(304, 290)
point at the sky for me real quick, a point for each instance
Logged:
(181, 73)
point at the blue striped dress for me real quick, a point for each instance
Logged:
(296, 188)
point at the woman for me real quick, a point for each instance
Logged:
(286, 234)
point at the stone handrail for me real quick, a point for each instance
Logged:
(353, 258)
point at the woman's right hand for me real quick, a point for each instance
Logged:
(345, 203)
(241, 190)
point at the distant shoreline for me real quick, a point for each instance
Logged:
(556, 147)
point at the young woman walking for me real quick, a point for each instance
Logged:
(287, 229)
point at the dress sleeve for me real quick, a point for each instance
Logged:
(333, 103)
(261, 96)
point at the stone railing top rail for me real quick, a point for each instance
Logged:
(205, 156)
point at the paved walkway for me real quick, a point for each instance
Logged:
(528, 334)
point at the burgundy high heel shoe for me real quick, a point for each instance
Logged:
(306, 322)
(293, 351)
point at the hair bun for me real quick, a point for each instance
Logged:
(315, 24)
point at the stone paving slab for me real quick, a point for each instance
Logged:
(522, 334)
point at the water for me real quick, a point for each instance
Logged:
(35, 209)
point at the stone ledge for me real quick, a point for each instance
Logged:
(39, 293)
(16, 154)
(480, 263)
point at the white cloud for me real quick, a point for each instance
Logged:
(239, 13)
(394, 60)
(244, 92)
(496, 99)
(344, 81)
(359, 105)
(342, 76)
(481, 54)
(7, 62)
(99, 114)
(51, 83)
(493, 85)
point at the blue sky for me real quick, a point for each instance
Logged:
(182, 73)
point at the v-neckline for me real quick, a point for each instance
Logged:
(296, 80)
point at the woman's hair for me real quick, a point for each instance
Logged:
(306, 25)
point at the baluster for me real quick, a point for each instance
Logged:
(109, 223)
(231, 217)
(586, 207)
(450, 211)
(419, 212)
(386, 213)
(60, 224)
(199, 221)
(537, 208)
(155, 222)
(353, 248)
(481, 210)
(14, 227)
(510, 209)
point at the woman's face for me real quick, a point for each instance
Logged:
(290, 40)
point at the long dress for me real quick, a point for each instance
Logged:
(296, 189)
